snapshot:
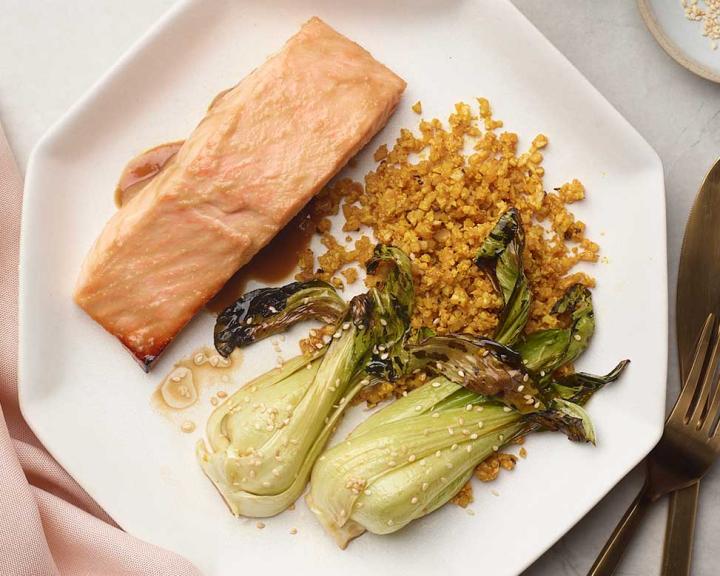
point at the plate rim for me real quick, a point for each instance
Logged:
(141, 43)
(672, 48)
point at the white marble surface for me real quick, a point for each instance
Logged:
(52, 51)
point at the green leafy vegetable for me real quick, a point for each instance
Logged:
(266, 311)
(547, 350)
(501, 256)
(264, 439)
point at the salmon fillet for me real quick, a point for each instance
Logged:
(262, 151)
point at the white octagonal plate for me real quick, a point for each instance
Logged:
(89, 403)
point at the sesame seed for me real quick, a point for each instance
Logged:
(383, 321)
(411, 458)
(495, 448)
(438, 453)
(222, 394)
(293, 531)
(479, 408)
(384, 356)
(424, 486)
(453, 447)
(461, 373)
(346, 326)
(521, 388)
(414, 500)
(392, 463)
(526, 378)
(319, 346)
(480, 424)
(465, 431)
(542, 372)
(436, 384)
(266, 484)
(390, 522)
(451, 431)
(506, 409)
(537, 404)
(436, 415)
(248, 321)
(468, 407)
(473, 436)
(577, 337)
(468, 449)
(260, 525)
(368, 493)
(501, 437)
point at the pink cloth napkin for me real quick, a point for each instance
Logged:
(48, 524)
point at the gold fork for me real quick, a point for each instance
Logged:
(689, 445)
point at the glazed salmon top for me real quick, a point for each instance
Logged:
(261, 152)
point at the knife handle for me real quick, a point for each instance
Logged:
(677, 552)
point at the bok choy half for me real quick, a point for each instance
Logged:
(413, 456)
(264, 439)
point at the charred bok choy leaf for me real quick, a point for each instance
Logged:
(547, 350)
(266, 311)
(412, 456)
(501, 256)
(263, 440)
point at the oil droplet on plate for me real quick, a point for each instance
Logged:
(192, 375)
(178, 389)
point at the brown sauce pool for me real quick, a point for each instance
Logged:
(143, 168)
(274, 263)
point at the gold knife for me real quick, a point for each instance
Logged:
(698, 293)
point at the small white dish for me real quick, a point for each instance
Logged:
(681, 38)
(89, 403)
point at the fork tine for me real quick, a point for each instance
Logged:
(688, 391)
(700, 410)
(712, 414)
